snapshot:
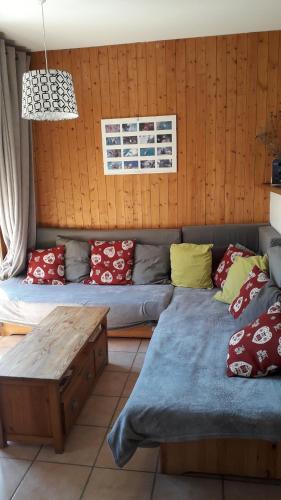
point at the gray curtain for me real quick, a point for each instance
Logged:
(17, 192)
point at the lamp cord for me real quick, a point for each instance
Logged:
(44, 37)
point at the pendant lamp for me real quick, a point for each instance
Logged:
(48, 94)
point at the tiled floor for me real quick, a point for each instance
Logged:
(86, 470)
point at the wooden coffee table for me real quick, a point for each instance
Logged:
(46, 378)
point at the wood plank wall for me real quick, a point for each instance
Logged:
(221, 88)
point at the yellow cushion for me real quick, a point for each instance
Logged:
(191, 265)
(237, 276)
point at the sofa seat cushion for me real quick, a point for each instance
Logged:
(129, 305)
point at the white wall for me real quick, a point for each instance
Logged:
(275, 211)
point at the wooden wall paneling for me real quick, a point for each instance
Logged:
(252, 50)
(230, 130)
(95, 172)
(220, 131)
(272, 94)
(108, 186)
(83, 86)
(168, 105)
(260, 158)
(134, 111)
(190, 58)
(278, 104)
(142, 83)
(58, 159)
(73, 151)
(105, 113)
(241, 126)
(89, 179)
(115, 181)
(69, 194)
(200, 175)
(180, 178)
(152, 55)
(123, 57)
(220, 88)
(211, 118)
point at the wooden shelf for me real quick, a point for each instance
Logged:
(274, 188)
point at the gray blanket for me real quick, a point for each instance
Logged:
(183, 392)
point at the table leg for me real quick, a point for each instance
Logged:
(56, 418)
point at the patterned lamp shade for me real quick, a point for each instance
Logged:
(48, 95)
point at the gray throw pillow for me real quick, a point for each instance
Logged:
(151, 264)
(267, 296)
(77, 259)
(274, 258)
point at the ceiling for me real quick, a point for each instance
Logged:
(86, 23)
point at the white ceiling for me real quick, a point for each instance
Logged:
(86, 23)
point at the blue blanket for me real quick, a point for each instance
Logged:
(183, 392)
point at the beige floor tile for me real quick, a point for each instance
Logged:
(118, 410)
(98, 410)
(110, 384)
(187, 488)
(238, 490)
(108, 484)
(81, 447)
(20, 451)
(120, 361)
(143, 345)
(138, 362)
(45, 481)
(145, 459)
(11, 474)
(125, 345)
(133, 377)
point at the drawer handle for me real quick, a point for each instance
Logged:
(74, 404)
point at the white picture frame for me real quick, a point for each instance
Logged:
(139, 145)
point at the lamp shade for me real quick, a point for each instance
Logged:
(48, 95)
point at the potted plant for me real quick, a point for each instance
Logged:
(271, 137)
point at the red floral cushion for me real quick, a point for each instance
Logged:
(255, 281)
(46, 267)
(255, 351)
(111, 262)
(231, 253)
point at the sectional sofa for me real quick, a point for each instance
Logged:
(183, 400)
(28, 304)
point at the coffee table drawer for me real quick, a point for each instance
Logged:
(100, 348)
(75, 396)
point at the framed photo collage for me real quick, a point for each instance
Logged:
(139, 145)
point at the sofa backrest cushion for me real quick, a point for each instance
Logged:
(221, 236)
(274, 256)
(46, 236)
(151, 264)
(268, 237)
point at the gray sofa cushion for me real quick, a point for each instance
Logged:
(268, 237)
(129, 305)
(77, 259)
(221, 236)
(274, 257)
(46, 236)
(267, 296)
(151, 264)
